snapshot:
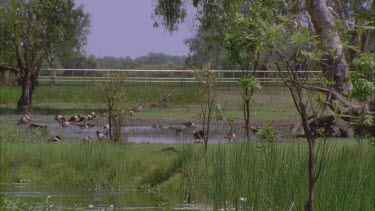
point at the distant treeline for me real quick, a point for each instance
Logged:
(156, 61)
(152, 61)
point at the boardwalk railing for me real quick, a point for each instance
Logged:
(177, 77)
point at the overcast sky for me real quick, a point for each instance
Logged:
(123, 28)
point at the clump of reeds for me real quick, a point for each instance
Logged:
(248, 176)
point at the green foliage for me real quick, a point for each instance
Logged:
(220, 114)
(113, 96)
(35, 32)
(208, 92)
(47, 29)
(268, 133)
(371, 141)
(151, 61)
(320, 99)
(326, 83)
(338, 109)
(363, 89)
(365, 120)
(362, 79)
(171, 13)
(247, 37)
(248, 84)
(111, 92)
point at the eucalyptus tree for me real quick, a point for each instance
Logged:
(322, 17)
(324, 23)
(356, 18)
(38, 31)
(201, 53)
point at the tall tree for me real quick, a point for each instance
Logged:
(324, 23)
(357, 15)
(34, 32)
(216, 16)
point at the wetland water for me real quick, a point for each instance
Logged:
(92, 200)
(137, 130)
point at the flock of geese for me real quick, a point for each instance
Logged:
(82, 121)
(76, 120)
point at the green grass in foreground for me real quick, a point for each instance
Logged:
(242, 175)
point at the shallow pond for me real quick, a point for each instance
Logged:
(39, 197)
(139, 131)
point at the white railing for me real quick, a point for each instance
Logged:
(182, 77)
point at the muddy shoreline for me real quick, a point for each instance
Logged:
(146, 130)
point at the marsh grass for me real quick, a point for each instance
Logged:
(86, 166)
(97, 165)
(244, 176)
(270, 103)
(249, 176)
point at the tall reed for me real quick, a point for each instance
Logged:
(249, 176)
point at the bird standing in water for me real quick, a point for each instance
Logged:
(198, 135)
(60, 118)
(57, 139)
(74, 118)
(87, 139)
(254, 129)
(100, 135)
(25, 119)
(190, 124)
(230, 136)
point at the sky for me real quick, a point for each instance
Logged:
(122, 28)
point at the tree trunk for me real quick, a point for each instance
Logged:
(246, 113)
(206, 130)
(368, 37)
(247, 117)
(24, 104)
(329, 41)
(309, 206)
(312, 175)
(110, 119)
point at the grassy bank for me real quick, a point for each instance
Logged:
(100, 166)
(240, 175)
(88, 96)
(270, 103)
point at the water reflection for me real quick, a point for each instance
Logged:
(94, 200)
(143, 134)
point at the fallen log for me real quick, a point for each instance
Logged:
(162, 102)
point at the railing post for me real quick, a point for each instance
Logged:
(232, 84)
(150, 78)
(50, 78)
(84, 79)
(183, 83)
